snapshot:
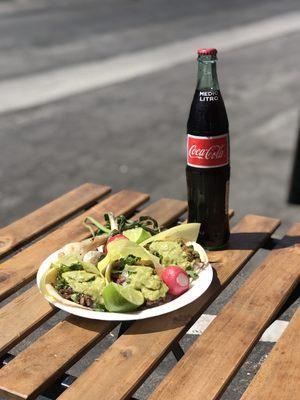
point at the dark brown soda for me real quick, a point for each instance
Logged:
(208, 187)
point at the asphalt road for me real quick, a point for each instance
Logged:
(132, 133)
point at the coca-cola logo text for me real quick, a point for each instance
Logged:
(207, 152)
(212, 153)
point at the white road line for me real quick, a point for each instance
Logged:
(272, 334)
(30, 91)
(199, 327)
(275, 330)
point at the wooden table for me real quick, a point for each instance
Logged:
(210, 363)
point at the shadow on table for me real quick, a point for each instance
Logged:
(249, 240)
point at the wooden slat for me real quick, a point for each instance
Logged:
(39, 221)
(57, 350)
(136, 353)
(21, 268)
(279, 376)
(19, 317)
(214, 358)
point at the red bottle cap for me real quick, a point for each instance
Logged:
(207, 52)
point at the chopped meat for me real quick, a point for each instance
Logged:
(66, 293)
(85, 300)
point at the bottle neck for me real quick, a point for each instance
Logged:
(207, 73)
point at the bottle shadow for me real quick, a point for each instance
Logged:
(249, 240)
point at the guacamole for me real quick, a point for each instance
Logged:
(171, 253)
(71, 263)
(144, 279)
(86, 283)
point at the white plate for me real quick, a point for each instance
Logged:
(198, 287)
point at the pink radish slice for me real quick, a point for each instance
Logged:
(176, 279)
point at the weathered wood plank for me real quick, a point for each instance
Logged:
(136, 353)
(216, 356)
(22, 267)
(50, 355)
(21, 316)
(279, 376)
(39, 221)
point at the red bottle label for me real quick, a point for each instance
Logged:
(207, 151)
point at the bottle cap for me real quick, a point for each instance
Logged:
(207, 52)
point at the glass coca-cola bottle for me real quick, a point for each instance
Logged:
(208, 168)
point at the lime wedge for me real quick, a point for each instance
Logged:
(137, 235)
(119, 298)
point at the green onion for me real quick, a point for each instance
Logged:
(113, 225)
(89, 221)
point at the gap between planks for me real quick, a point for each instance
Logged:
(271, 334)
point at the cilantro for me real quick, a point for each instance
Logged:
(129, 260)
(60, 283)
(98, 307)
(72, 267)
(191, 272)
(156, 254)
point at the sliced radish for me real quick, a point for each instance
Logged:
(176, 279)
